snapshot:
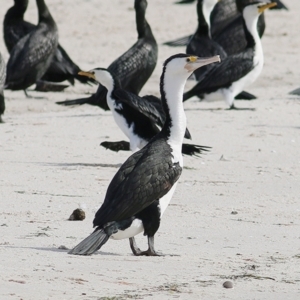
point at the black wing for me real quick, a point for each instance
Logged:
(146, 176)
(222, 75)
(135, 66)
(141, 105)
(31, 50)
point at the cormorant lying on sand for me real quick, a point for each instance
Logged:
(142, 188)
(138, 118)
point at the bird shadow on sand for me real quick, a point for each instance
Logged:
(220, 109)
(63, 250)
(79, 165)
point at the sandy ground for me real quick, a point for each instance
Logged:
(234, 216)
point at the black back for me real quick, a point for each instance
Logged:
(32, 55)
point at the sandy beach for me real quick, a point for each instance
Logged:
(235, 214)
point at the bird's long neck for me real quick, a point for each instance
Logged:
(171, 88)
(18, 10)
(250, 28)
(203, 12)
(142, 26)
(110, 83)
(44, 14)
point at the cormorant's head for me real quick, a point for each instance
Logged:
(101, 75)
(185, 64)
(254, 7)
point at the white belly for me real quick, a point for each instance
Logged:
(136, 143)
(135, 228)
(165, 200)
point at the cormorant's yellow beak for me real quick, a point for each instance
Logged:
(87, 74)
(264, 7)
(195, 62)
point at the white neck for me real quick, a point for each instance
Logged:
(251, 24)
(207, 9)
(173, 87)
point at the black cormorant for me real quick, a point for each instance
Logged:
(142, 188)
(32, 55)
(134, 67)
(2, 82)
(15, 27)
(239, 70)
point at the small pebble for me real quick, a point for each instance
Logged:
(62, 247)
(228, 285)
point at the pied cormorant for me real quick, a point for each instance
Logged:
(141, 190)
(134, 67)
(32, 55)
(2, 82)
(140, 119)
(236, 71)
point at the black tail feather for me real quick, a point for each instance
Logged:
(194, 150)
(79, 101)
(181, 42)
(295, 92)
(90, 244)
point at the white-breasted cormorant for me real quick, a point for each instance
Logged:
(2, 82)
(142, 188)
(134, 67)
(15, 27)
(140, 119)
(239, 70)
(32, 55)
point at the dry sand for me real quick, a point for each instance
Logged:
(235, 218)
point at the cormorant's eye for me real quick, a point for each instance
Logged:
(188, 59)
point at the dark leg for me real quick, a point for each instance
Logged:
(135, 250)
(116, 146)
(27, 96)
(232, 107)
(150, 252)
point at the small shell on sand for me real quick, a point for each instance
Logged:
(77, 215)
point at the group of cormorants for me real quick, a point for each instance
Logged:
(226, 54)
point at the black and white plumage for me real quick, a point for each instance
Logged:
(134, 67)
(236, 71)
(142, 188)
(32, 55)
(201, 44)
(15, 27)
(2, 82)
(138, 118)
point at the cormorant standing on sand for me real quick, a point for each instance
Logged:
(142, 188)
(15, 27)
(239, 70)
(32, 55)
(134, 67)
